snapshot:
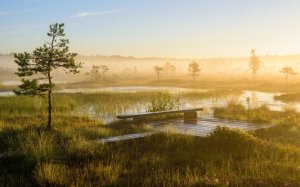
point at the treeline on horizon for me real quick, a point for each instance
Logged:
(127, 67)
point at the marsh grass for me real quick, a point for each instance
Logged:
(164, 103)
(211, 94)
(203, 83)
(262, 114)
(287, 132)
(71, 156)
(102, 106)
(225, 158)
(289, 98)
(76, 104)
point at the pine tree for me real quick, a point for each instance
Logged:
(194, 69)
(287, 71)
(39, 65)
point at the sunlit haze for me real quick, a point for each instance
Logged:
(150, 93)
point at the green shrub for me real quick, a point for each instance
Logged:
(163, 102)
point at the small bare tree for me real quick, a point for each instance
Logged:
(254, 63)
(169, 68)
(104, 69)
(95, 72)
(194, 69)
(158, 70)
(287, 71)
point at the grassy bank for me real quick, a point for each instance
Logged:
(225, 158)
(99, 105)
(71, 156)
(201, 83)
(262, 114)
(288, 98)
(4, 88)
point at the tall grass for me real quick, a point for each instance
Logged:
(103, 105)
(290, 97)
(225, 158)
(71, 156)
(262, 114)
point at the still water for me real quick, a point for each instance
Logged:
(249, 99)
(205, 123)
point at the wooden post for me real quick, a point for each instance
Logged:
(190, 117)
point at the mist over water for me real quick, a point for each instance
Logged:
(135, 69)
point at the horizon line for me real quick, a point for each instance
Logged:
(165, 57)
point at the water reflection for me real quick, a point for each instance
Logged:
(204, 126)
(254, 100)
(250, 99)
(258, 99)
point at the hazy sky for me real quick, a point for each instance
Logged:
(166, 28)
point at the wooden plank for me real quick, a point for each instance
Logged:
(126, 116)
(124, 137)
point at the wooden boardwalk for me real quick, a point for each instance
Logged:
(124, 137)
(203, 128)
(188, 114)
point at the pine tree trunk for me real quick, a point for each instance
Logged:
(49, 126)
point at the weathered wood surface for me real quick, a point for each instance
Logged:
(124, 137)
(140, 115)
(202, 129)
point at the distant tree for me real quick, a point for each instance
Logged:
(254, 63)
(115, 76)
(158, 70)
(169, 68)
(194, 69)
(104, 69)
(287, 71)
(40, 64)
(95, 72)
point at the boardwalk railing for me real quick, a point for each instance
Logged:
(189, 114)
